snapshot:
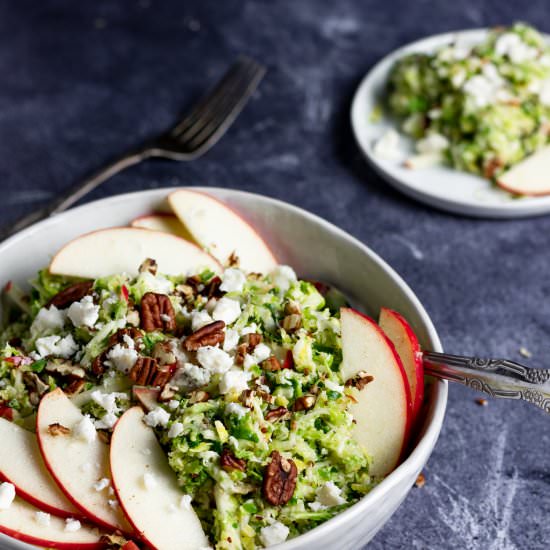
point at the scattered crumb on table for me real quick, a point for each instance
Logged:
(525, 352)
(420, 481)
(482, 402)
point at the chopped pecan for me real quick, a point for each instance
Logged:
(277, 414)
(157, 313)
(73, 293)
(233, 260)
(98, 366)
(65, 368)
(292, 307)
(279, 480)
(198, 396)
(292, 322)
(168, 392)
(304, 403)
(58, 429)
(271, 364)
(143, 371)
(242, 350)
(212, 289)
(360, 380)
(32, 380)
(230, 462)
(252, 340)
(209, 335)
(118, 337)
(75, 387)
(160, 375)
(149, 265)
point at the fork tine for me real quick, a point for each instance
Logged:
(211, 98)
(240, 87)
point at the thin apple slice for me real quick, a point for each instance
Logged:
(77, 465)
(531, 176)
(156, 512)
(21, 464)
(20, 521)
(221, 231)
(146, 397)
(162, 221)
(398, 330)
(383, 409)
(123, 249)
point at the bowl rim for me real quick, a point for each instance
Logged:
(416, 458)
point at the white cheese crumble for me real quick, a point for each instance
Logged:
(149, 481)
(85, 430)
(173, 404)
(108, 402)
(48, 320)
(215, 360)
(190, 376)
(200, 319)
(231, 340)
(234, 381)
(122, 359)
(42, 519)
(157, 283)
(84, 313)
(330, 385)
(261, 353)
(72, 525)
(157, 417)
(57, 346)
(102, 484)
(330, 495)
(7, 494)
(387, 145)
(236, 409)
(432, 143)
(283, 277)
(250, 329)
(511, 45)
(185, 502)
(273, 534)
(227, 310)
(233, 280)
(175, 430)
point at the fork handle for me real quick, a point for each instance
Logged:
(497, 377)
(72, 195)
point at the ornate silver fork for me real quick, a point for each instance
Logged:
(496, 377)
(187, 140)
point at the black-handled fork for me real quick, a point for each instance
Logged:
(187, 140)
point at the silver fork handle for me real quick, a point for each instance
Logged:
(72, 195)
(497, 377)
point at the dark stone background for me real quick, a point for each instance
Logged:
(82, 81)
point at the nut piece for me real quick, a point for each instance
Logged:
(157, 313)
(118, 337)
(198, 396)
(209, 335)
(33, 381)
(230, 462)
(292, 322)
(74, 293)
(149, 265)
(143, 371)
(57, 429)
(271, 364)
(420, 480)
(279, 480)
(277, 414)
(304, 403)
(252, 340)
(360, 380)
(65, 368)
(75, 387)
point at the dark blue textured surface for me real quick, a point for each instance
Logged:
(82, 81)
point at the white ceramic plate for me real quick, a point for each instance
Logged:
(439, 186)
(317, 250)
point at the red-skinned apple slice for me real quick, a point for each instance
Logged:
(21, 464)
(155, 512)
(20, 522)
(531, 176)
(221, 231)
(76, 465)
(162, 221)
(146, 397)
(383, 409)
(123, 249)
(407, 346)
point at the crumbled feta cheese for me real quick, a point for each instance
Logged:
(57, 346)
(165, 318)
(250, 329)
(544, 93)
(85, 430)
(215, 360)
(42, 519)
(175, 430)
(84, 313)
(185, 502)
(330, 495)
(234, 380)
(72, 525)
(190, 377)
(7, 494)
(106, 422)
(107, 400)
(200, 319)
(273, 534)
(149, 481)
(330, 385)
(236, 409)
(156, 283)
(387, 146)
(227, 310)
(102, 484)
(511, 45)
(157, 417)
(48, 320)
(283, 277)
(122, 359)
(261, 352)
(432, 143)
(231, 340)
(173, 404)
(233, 280)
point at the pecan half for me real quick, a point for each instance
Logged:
(360, 380)
(143, 371)
(157, 313)
(209, 335)
(304, 403)
(160, 375)
(57, 429)
(230, 462)
(73, 293)
(279, 480)
(271, 364)
(277, 414)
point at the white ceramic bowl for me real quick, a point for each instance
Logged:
(317, 250)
